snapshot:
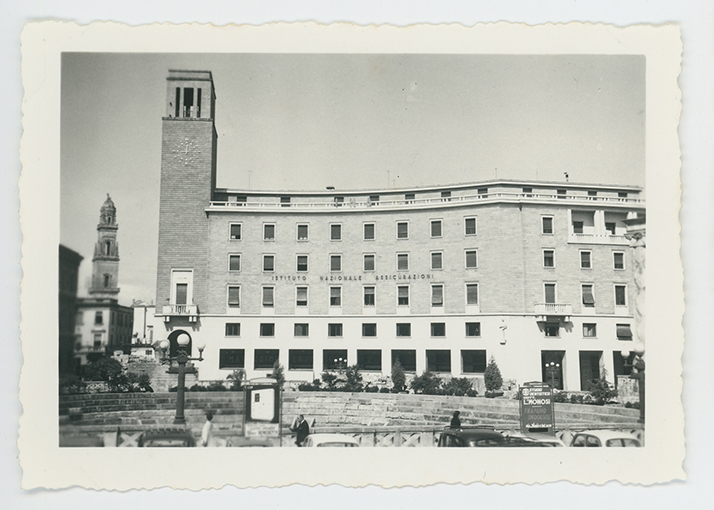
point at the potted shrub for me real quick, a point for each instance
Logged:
(493, 379)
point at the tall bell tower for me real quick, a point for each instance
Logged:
(105, 263)
(188, 179)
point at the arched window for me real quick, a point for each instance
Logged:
(107, 247)
(107, 280)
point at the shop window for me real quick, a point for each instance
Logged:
(473, 361)
(265, 358)
(300, 359)
(334, 359)
(369, 359)
(438, 360)
(406, 358)
(231, 358)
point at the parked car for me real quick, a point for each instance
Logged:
(609, 438)
(547, 440)
(330, 440)
(483, 437)
(177, 438)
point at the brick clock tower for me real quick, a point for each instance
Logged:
(105, 263)
(188, 178)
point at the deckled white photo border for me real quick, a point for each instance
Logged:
(45, 465)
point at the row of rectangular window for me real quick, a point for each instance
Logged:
(586, 260)
(402, 229)
(437, 360)
(235, 230)
(587, 294)
(368, 261)
(369, 295)
(438, 329)
(437, 295)
(369, 329)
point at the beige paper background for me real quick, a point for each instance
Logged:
(46, 465)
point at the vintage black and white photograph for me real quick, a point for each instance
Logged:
(280, 250)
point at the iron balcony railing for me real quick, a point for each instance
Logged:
(180, 310)
(554, 309)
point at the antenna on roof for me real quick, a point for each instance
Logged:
(330, 187)
(566, 176)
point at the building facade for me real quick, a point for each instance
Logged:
(69, 261)
(534, 274)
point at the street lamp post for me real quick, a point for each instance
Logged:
(638, 373)
(181, 359)
(552, 369)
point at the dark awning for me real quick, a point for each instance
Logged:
(624, 332)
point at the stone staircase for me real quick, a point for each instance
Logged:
(103, 412)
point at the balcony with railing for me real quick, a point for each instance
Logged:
(544, 311)
(611, 239)
(174, 310)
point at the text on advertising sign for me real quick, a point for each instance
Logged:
(537, 410)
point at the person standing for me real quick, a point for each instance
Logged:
(207, 432)
(302, 428)
(455, 421)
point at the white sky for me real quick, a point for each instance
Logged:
(294, 122)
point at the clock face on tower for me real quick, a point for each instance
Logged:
(185, 151)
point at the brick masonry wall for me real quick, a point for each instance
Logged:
(186, 189)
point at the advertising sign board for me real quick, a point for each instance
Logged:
(536, 408)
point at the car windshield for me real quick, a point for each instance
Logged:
(623, 442)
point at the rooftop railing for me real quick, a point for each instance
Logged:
(328, 203)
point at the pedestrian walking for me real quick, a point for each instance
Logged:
(455, 421)
(207, 432)
(302, 429)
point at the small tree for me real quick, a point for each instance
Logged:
(353, 379)
(236, 377)
(600, 389)
(399, 378)
(492, 376)
(278, 373)
(330, 380)
(427, 383)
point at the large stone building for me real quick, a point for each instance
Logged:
(69, 261)
(533, 274)
(103, 325)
